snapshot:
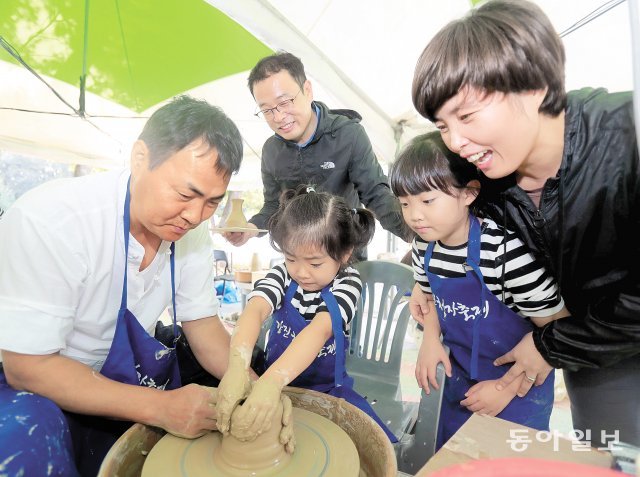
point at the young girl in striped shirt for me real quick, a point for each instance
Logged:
(312, 297)
(476, 284)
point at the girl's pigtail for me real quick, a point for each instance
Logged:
(364, 223)
(286, 196)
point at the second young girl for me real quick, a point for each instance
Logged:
(313, 297)
(487, 289)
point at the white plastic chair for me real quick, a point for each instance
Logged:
(378, 333)
(221, 261)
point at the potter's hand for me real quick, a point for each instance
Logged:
(287, 438)
(528, 361)
(234, 386)
(189, 411)
(256, 413)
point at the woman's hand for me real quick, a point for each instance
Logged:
(528, 363)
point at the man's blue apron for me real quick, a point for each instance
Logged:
(477, 327)
(327, 373)
(37, 438)
(135, 356)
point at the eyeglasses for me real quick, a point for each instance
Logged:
(282, 107)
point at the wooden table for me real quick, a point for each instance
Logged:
(244, 288)
(245, 281)
(484, 437)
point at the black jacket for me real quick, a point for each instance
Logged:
(339, 159)
(584, 232)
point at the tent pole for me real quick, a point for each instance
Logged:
(83, 77)
(634, 16)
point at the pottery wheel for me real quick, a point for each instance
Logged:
(322, 449)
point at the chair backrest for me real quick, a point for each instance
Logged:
(220, 258)
(414, 451)
(380, 323)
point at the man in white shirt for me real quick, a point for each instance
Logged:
(89, 264)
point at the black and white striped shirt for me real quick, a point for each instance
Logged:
(528, 288)
(346, 288)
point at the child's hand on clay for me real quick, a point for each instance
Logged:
(254, 416)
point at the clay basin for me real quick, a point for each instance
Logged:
(377, 457)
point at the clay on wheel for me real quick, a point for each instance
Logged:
(322, 448)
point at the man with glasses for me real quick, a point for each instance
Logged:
(314, 145)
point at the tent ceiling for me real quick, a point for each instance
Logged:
(364, 52)
(135, 53)
(359, 54)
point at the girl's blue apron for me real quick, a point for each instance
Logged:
(327, 373)
(478, 328)
(37, 438)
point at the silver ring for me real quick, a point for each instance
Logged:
(533, 380)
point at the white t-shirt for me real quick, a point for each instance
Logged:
(62, 270)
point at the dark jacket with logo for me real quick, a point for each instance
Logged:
(339, 159)
(585, 232)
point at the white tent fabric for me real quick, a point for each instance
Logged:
(359, 54)
(54, 134)
(364, 52)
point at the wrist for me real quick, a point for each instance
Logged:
(239, 358)
(514, 386)
(430, 338)
(152, 412)
(539, 336)
(275, 378)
